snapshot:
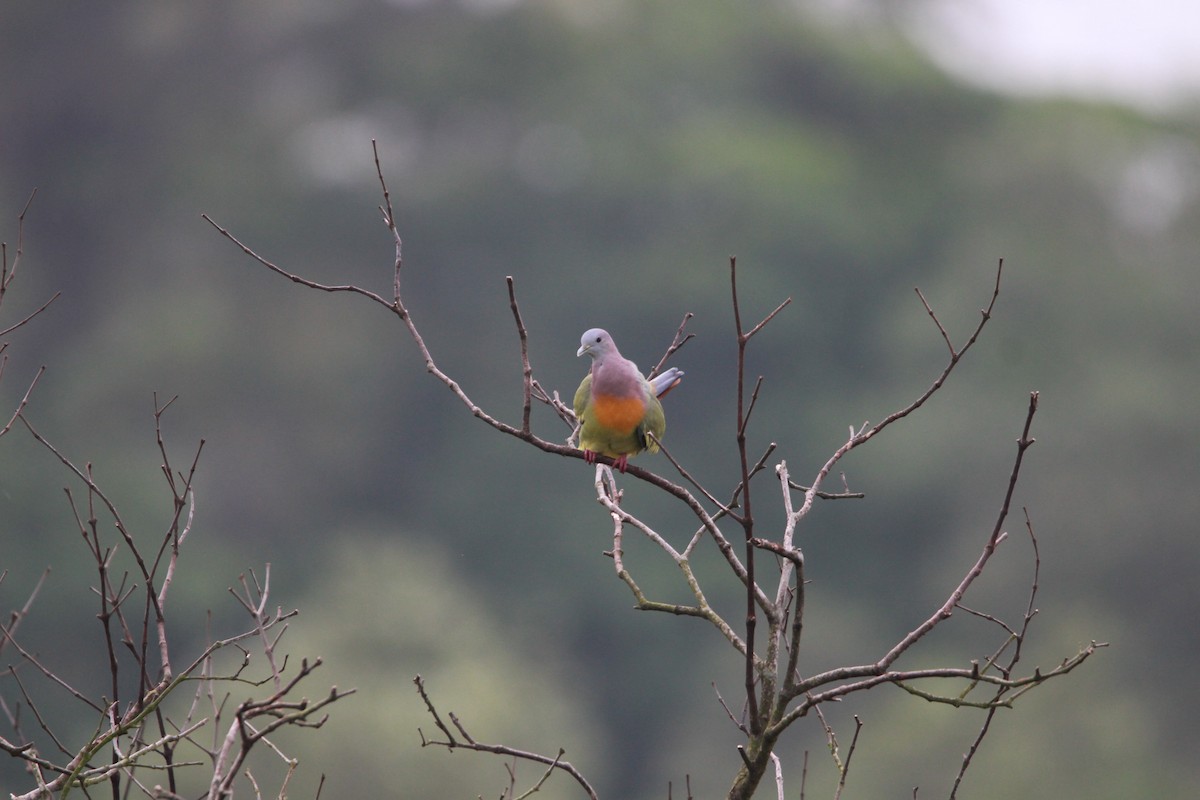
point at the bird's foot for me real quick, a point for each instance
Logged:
(620, 462)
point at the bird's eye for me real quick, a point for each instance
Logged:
(598, 338)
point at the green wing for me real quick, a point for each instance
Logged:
(582, 396)
(654, 422)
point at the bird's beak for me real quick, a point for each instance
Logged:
(582, 349)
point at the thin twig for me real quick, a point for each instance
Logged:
(741, 725)
(823, 495)
(9, 271)
(24, 400)
(24, 321)
(1018, 638)
(554, 762)
(679, 341)
(526, 369)
(746, 517)
(865, 433)
(844, 768)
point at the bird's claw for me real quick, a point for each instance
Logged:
(620, 462)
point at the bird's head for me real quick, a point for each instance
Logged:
(596, 343)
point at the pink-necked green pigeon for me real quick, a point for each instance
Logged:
(617, 407)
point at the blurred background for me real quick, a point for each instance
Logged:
(611, 156)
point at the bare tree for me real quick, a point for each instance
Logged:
(771, 568)
(165, 721)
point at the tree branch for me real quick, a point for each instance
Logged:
(554, 762)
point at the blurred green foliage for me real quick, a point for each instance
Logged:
(609, 156)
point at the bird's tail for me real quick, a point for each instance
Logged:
(661, 384)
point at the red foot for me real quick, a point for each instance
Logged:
(621, 462)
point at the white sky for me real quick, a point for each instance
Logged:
(1144, 53)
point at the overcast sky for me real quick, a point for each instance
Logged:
(1145, 53)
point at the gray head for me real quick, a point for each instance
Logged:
(597, 343)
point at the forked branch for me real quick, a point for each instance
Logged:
(467, 742)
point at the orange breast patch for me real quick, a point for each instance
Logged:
(621, 414)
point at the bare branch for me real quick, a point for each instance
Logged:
(295, 278)
(750, 408)
(449, 743)
(554, 762)
(9, 271)
(865, 433)
(701, 609)
(94, 489)
(687, 475)
(26, 320)
(1018, 639)
(844, 767)
(823, 495)
(741, 725)
(564, 412)
(726, 509)
(778, 776)
(15, 618)
(767, 318)
(955, 357)
(526, 369)
(989, 548)
(549, 771)
(679, 341)
(45, 671)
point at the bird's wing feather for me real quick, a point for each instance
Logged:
(583, 396)
(654, 421)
